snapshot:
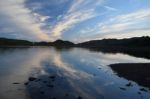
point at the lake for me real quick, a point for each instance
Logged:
(73, 73)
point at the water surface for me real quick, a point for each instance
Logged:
(65, 74)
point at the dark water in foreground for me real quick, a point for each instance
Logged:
(65, 74)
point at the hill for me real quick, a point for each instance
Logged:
(14, 42)
(130, 42)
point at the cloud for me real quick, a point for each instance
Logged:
(51, 19)
(121, 26)
(22, 19)
(126, 23)
(40, 18)
(18, 18)
(79, 11)
(110, 8)
(36, 5)
(69, 20)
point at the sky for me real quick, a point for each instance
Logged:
(74, 20)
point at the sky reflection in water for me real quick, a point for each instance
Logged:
(79, 72)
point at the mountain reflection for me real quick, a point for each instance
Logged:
(45, 73)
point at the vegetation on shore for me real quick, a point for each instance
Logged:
(128, 42)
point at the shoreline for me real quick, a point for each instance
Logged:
(138, 72)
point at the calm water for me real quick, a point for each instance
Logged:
(77, 73)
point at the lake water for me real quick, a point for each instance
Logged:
(73, 73)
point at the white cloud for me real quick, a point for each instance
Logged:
(121, 26)
(110, 8)
(69, 20)
(126, 22)
(16, 19)
(126, 34)
(36, 6)
(21, 20)
(79, 11)
(40, 18)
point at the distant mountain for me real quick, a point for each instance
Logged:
(137, 46)
(62, 43)
(130, 42)
(57, 43)
(14, 42)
